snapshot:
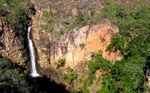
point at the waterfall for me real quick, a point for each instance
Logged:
(32, 56)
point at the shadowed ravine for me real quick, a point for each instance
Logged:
(44, 85)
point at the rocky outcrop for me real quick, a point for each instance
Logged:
(11, 45)
(75, 45)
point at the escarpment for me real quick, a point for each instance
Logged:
(75, 47)
(90, 46)
(64, 42)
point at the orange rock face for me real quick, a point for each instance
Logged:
(75, 46)
(100, 38)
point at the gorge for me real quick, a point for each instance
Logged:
(77, 46)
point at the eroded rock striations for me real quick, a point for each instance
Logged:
(12, 45)
(75, 45)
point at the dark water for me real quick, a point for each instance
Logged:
(44, 85)
(38, 85)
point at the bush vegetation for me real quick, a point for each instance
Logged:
(47, 27)
(79, 20)
(16, 14)
(49, 17)
(61, 62)
(97, 62)
(82, 45)
(70, 75)
(128, 74)
(13, 78)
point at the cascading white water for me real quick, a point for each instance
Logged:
(32, 56)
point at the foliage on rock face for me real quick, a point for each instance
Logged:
(61, 62)
(82, 45)
(70, 76)
(12, 78)
(79, 20)
(117, 42)
(15, 13)
(49, 17)
(128, 75)
(97, 62)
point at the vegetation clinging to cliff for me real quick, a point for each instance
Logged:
(128, 75)
(15, 13)
(97, 62)
(61, 62)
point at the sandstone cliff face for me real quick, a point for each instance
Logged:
(74, 45)
(11, 45)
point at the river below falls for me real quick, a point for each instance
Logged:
(45, 85)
